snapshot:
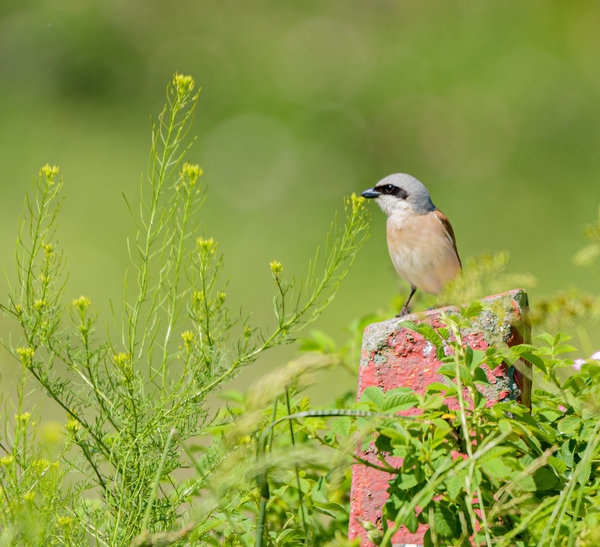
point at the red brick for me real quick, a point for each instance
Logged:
(397, 357)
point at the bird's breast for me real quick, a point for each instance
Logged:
(422, 251)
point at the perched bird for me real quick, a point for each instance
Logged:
(420, 238)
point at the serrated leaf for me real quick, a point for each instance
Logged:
(433, 402)
(496, 467)
(399, 399)
(440, 386)
(405, 324)
(569, 424)
(465, 376)
(383, 443)
(455, 484)
(564, 348)
(527, 484)
(447, 370)
(546, 338)
(474, 357)
(341, 425)
(545, 479)
(373, 395)
(559, 465)
(550, 415)
(472, 310)
(412, 522)
(445, 522)
(444, 333)
(480, 376)
(535, 360)
(583, 475)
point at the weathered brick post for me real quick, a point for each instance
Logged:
(393, 356)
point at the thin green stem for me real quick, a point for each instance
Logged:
(296, 469)
(157, 477)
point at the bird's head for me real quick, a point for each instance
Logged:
(401, 193)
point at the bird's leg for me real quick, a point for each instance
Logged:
(405, 311)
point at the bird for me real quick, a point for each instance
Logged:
(420, 238)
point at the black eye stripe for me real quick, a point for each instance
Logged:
(391, 190)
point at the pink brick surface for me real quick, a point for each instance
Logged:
(393, 356)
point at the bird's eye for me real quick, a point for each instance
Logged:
(389, 188)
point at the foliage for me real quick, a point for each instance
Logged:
(145, 457)
(521, 479)
(134, 393)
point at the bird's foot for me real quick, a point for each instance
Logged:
(404, 311)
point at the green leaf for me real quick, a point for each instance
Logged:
(474, 357)
(448, 370)
(436, 387)
(472, 310)
(569, 424)
(395, 434)
(401, 398)
(566, 451)
(465, 376)
(444, 333)
(564, 348)
(383, 443)
(429, 333)
(455, 484)
(550, 415)
(373, 396)
(535, 360)
(480, 376)
(408, 325)
(412, 522)
(527, 484)
(445, 522)
(406, 481)
(546, 338)
(505, 426)
(545, 479)
(433, 402)
(559, 465)
(584, 472)
(341, 425)
(334, 510)
(496, 467)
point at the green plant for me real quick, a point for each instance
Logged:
(135, 393)
(520, 479)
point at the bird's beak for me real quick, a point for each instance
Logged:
(370, 193)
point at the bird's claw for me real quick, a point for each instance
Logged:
(404, 311)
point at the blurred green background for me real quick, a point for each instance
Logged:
(493, 105)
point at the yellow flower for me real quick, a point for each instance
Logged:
(206, 246)
(23, 418)
(28, 496)
(49, 173)
(65, 522)
(81, 304)
(73, 426)
(276, 267)
(184, 84)
(188, 339)
(190, 174)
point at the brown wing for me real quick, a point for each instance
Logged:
(448, 228)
